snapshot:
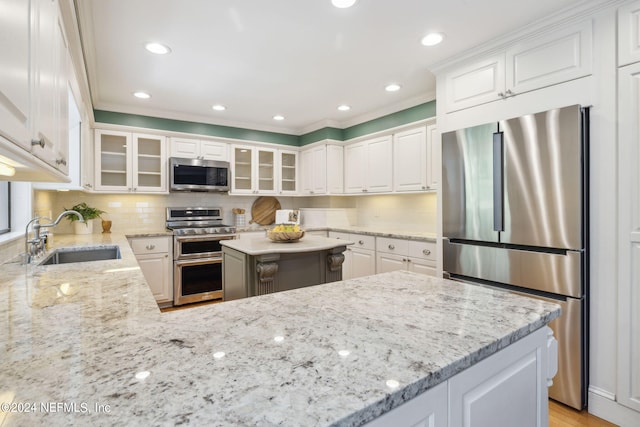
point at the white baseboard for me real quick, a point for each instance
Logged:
(602, 404)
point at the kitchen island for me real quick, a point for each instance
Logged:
(259, 266)
(85, 344)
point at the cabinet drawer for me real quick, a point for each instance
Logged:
(424, 250)
(392, 246)
(339, 235)
(150, 245)
(363, 241)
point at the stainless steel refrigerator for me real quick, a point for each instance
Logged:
(515, 216)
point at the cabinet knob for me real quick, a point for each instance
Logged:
(426, 252)
(39, 142)
(392, 247)
(150, 247)
(501, 95)
(360, 242)
(509, 93)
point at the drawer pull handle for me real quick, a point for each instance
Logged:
(426, 252)
(150, 247)
(392, 247)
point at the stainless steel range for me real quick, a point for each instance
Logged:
(197, 257)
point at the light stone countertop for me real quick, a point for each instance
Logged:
(371, 231)
(308, 243)
(78, 334)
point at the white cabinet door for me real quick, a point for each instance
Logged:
(478, 394)
(15, 51)
(314, 169)
(629, 33)
(389, 262)
(355, 166)
(266, 171)
(156, 263)
(185, 148)
(410, 160)
(288, 164)
(628, 392)
(434, 158)
(422, 266)
(214, 150)
(379, 175)
(363, 262)
(334, 169)
(45, 126)
(149, 165)
(113, 161)
(157, 272)
(550, 59)
(429, 409)
(476, 83)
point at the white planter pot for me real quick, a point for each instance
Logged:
(83, 227)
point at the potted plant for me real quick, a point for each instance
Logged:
(88, 213)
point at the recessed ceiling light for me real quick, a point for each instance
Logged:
(278, 117)
(342, 4)
(219, 107)
(432, 39)
(157, 48)
(392, 87)
(141, 95)
(344, 108)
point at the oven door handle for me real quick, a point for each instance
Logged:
(198, 261)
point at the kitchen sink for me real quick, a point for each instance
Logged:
(70, 255)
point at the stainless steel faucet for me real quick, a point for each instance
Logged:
(35, 246)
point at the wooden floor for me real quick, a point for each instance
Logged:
(564, 416)
(559, 414)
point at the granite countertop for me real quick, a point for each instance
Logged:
(308, 243)
(368, 230)
(88, 342)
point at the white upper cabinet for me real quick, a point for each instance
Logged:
(368, 166)
(629, 33)
(50, 123)
(434, 157)
(288, 166)
(410, 160)
(476, 83)
(322, 170)
(314, 170)
(547, 60)
(15, 72)
(34, 81)
(199, 149)
(127, 162)
(254, 170)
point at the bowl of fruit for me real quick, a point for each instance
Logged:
(285, 233)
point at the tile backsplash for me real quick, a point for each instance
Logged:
(146, 212)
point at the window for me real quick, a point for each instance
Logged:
(5, 207)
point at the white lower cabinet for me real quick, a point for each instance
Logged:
(400, 254)
(428, 409)
(360, 258)
(156, 262)
(509, 388)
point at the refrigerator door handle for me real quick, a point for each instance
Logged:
(498, 181)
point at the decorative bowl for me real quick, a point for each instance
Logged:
(285, 236)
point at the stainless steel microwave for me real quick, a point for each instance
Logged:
(198, 175)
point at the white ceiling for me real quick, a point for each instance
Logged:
(297, 58)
